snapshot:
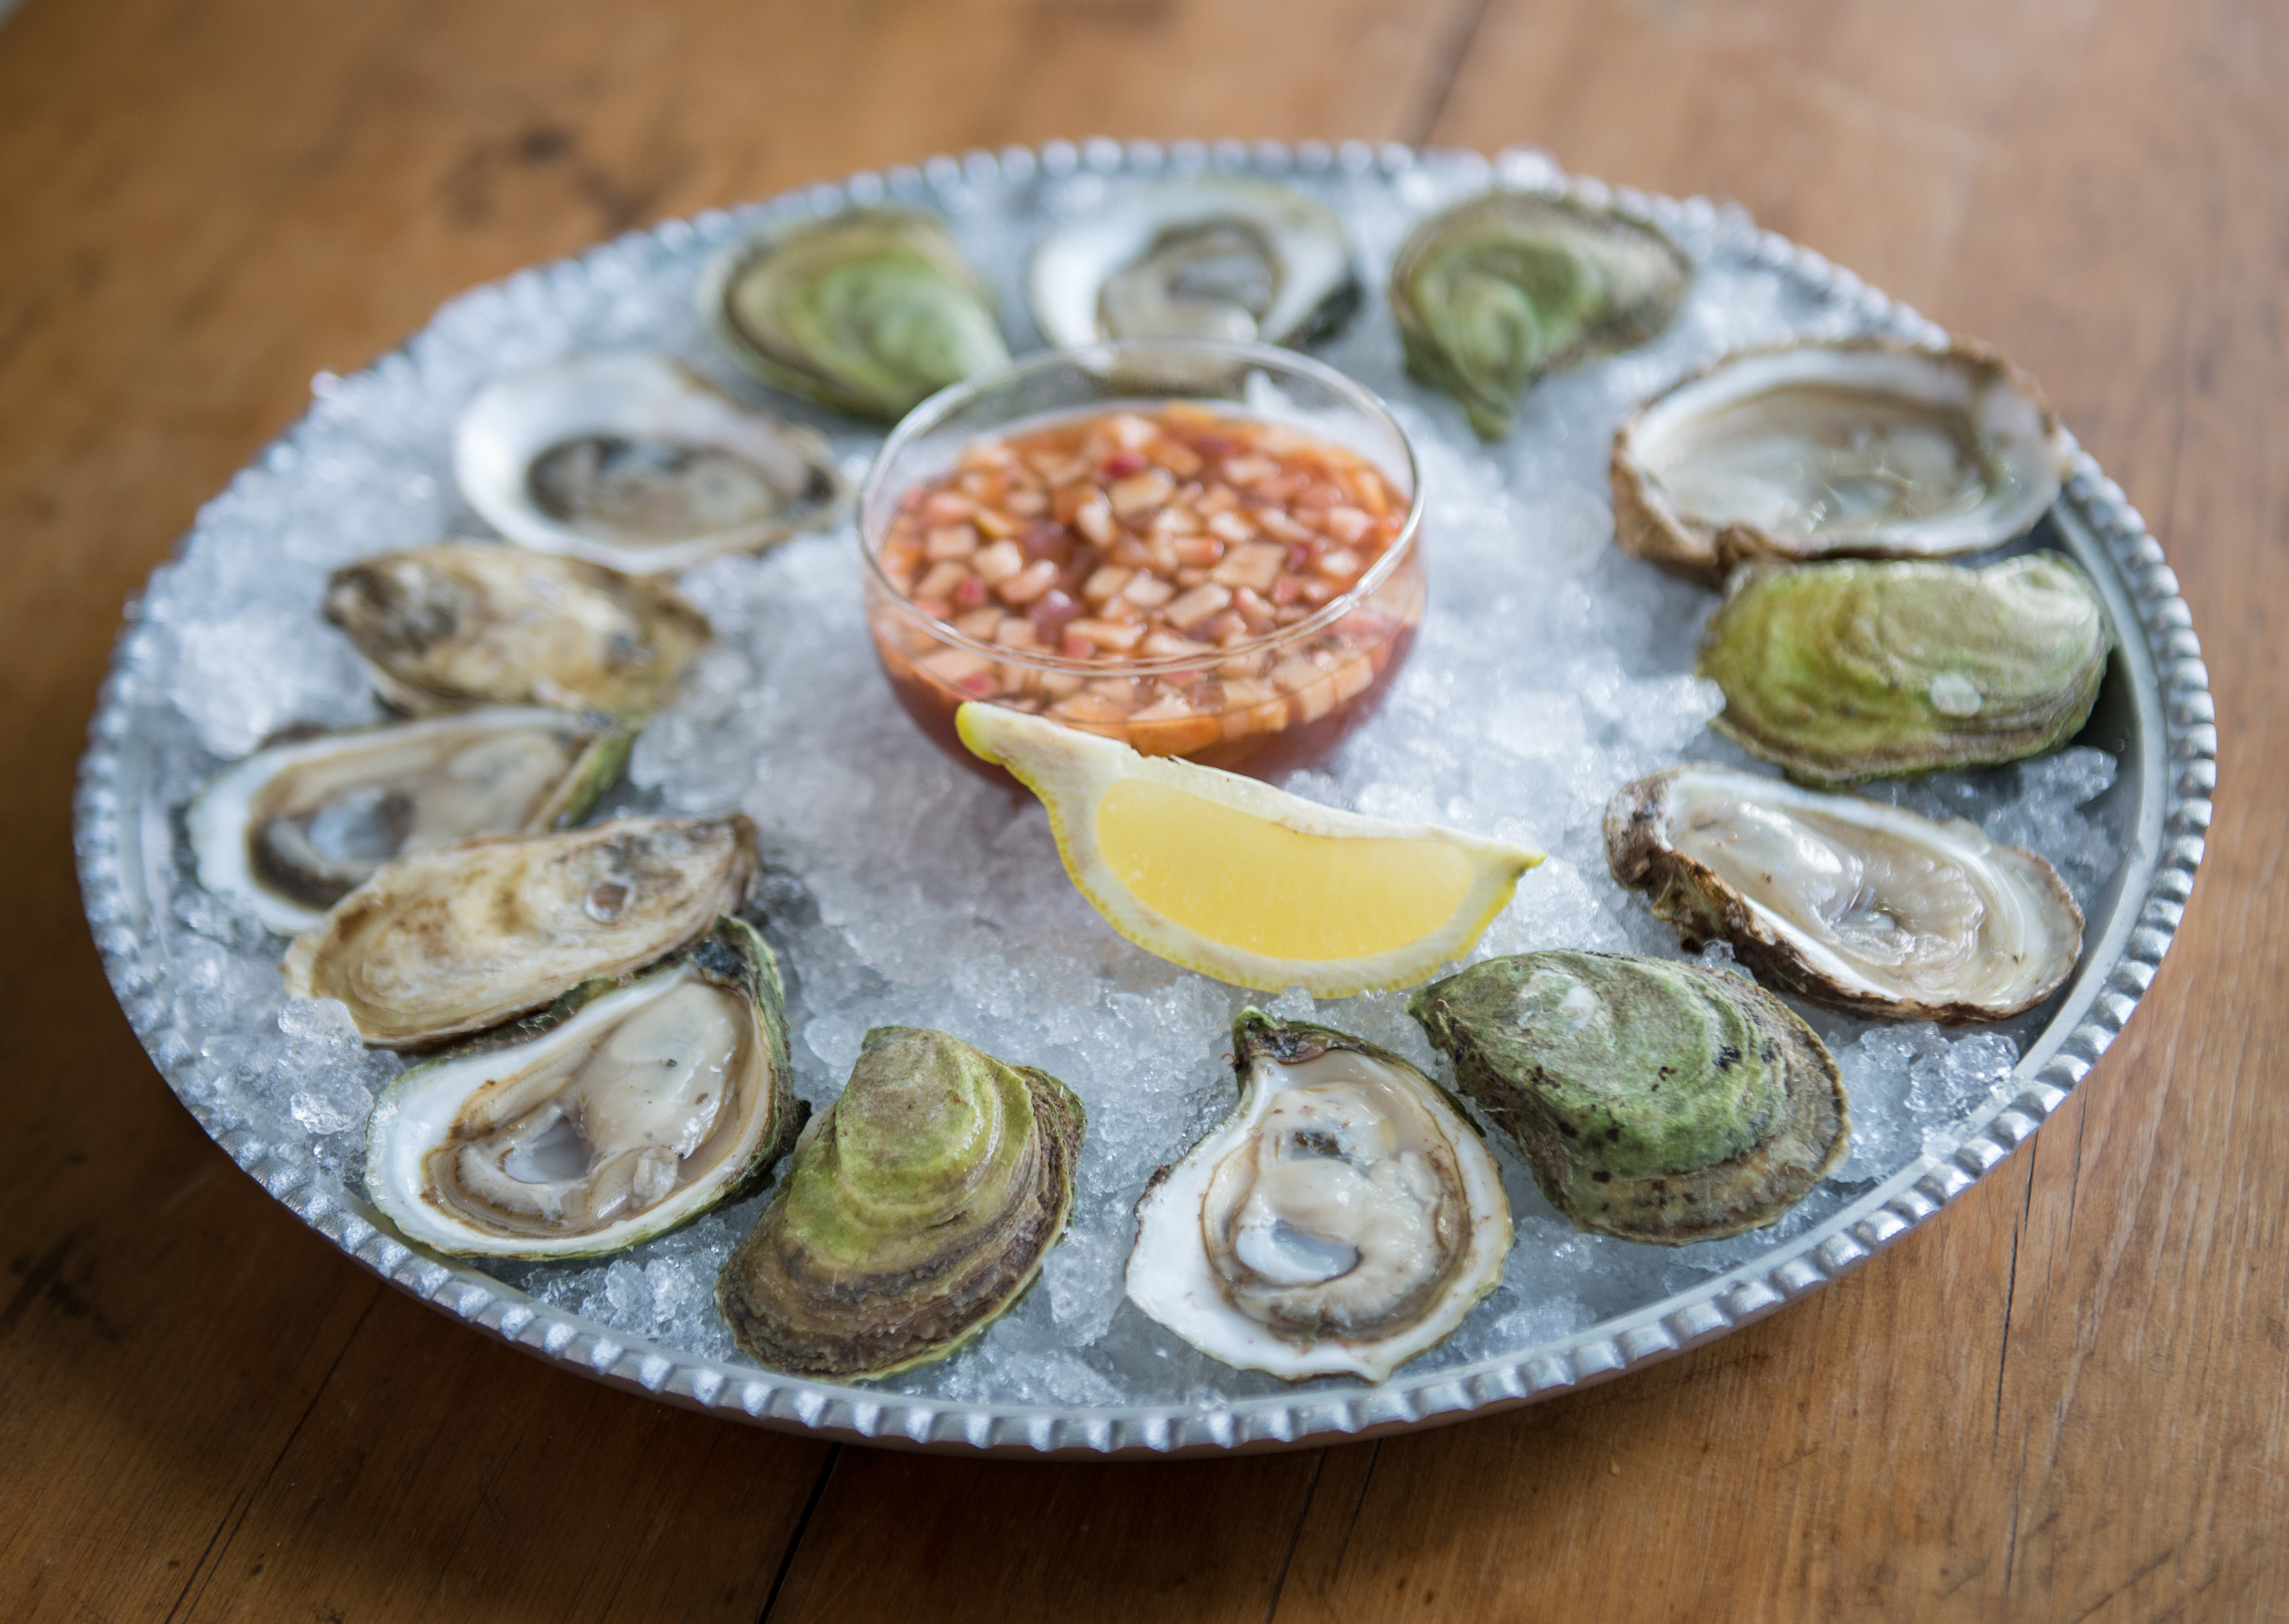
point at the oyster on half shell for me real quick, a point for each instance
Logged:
(871, 310)
(1343, 1219)
(1847, 902)
(631, 1105)
(632, 460)
(1204, 257)
(453, 941)
(1501, 288)
(1842, 672)
(1654, 1101)
(1864, 448)
(295, 827)
(464, 622)
(917, 1210)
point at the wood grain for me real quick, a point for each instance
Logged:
(2068, 1398)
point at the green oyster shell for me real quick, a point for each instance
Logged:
(1840, 673)
(732, 956)
(916, 1210)
(1497, 291)
(872, 310)
(1654, 1101)
(601, 766)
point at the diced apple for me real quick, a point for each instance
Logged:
(997, 563)
(1255, 565)
(1105, 583)
(1094, 518)
(1141, 493)
(941, 581)
(951, 541)
(1198, 604)
(1028, 584)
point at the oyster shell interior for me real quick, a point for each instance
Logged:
(632, 460)
(1500, 289)
(292, 829)
(1847, 670)
(1847, 902)
(1863, 447)
(633, 1105)
(872, 310)
(464, 622)
(1343, 1219)
(453, 941)
(917, 1210)
(1654, 1101)
(1205, 257)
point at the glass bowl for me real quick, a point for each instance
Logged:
(1263, 705)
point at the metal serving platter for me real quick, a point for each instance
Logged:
(2155, 714)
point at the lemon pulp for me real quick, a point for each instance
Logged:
(1261, 887)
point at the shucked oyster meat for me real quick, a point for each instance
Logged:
(1206, 257)
(632, 460)
(453, 941)
(871, 310)
(293, 828)
(917, 1210)
(1859, 448)
(466, 622)
(1847, 902)
(1844, 671)
(1343, 1219)
(1656, 1102)
(631, 1105)
(1503, 288)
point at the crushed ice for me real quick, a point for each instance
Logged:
(1550, 670)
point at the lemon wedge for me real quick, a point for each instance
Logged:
(1238, 880)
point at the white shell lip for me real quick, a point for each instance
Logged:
(1169, 1275)
(1070, 266)
(216, 820)
(2049, 923)
(519, 417)
(2003, 403)
(414, 1113)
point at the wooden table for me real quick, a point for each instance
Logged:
(2065, 1399)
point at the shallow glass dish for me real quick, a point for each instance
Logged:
(1264, 706)
(1546, 670)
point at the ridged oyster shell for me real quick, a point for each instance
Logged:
(630, 1106)
(1859, 448)
(1343, 1219)
(464, 622)
(1205, 257)
(1842, 672)
(453, 941)
(1505, 287)
(632, 460)
(871, 310)
(1847, 902)
(917, 1210)
(1654, 1101)
(295, 827)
